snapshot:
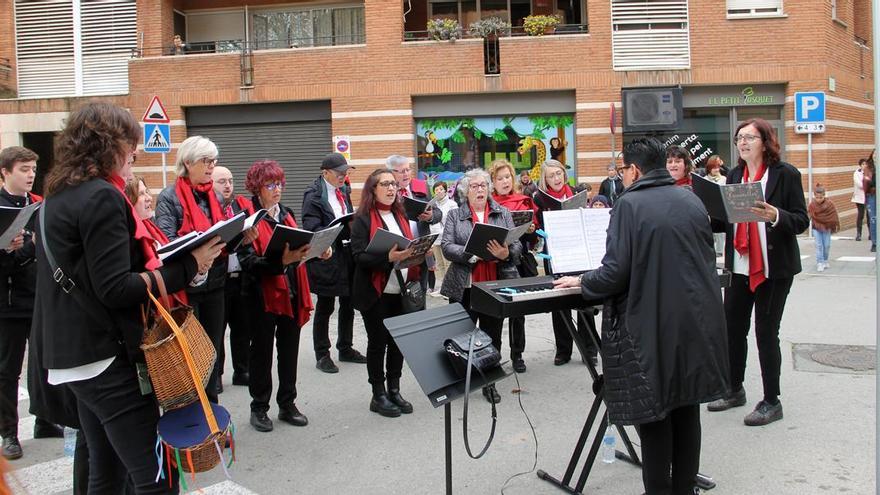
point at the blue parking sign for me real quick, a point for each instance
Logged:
(157, 138)
(809, 107)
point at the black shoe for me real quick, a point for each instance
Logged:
(395, 397)
(737, 399)
(560, 360)
(219, 387)
(44, 429)
(292, 416)
(594, 360)
(873, 248)
(764, 414)
(260, 421)
(352, 356)
(11, 448)
(858, 237)
(491, 394)
(382, 404)
(326, 365)
(242, 379)
(519, 365)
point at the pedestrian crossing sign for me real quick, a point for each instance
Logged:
(157, 138)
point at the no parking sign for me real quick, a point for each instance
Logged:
(342, 144)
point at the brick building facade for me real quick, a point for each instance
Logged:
(389, 93)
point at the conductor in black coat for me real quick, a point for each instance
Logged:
(663, 334)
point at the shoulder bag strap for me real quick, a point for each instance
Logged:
(467, 393)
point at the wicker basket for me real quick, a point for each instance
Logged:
(169, 373)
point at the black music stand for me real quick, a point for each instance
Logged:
(420, 337)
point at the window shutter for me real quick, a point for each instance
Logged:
(44, 44)
(753, 8)
(650, 34)
(108, 38)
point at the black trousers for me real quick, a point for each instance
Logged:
(672, 444)
(321, 325)
(860, 219)
(384, 359)
(235, 309)
(120, 429)
(208, 308)
(284, 333)
(13, 342)
(769, 303)
(564, 341)
(489, 324)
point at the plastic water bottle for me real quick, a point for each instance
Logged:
(609, 445)
(69, 441)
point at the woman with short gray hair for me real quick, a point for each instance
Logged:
(466, 268)
(191, 150)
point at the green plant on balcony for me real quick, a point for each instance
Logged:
(539, 25)
(490, 26)
(444, 29)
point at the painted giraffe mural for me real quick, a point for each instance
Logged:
(525, 144)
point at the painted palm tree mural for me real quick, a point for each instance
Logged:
(449, 146)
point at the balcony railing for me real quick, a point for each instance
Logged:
(239, 46)
(514, 32)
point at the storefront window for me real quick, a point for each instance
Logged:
(704, 132)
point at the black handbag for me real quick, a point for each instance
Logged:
(412, 296)
(506, 270)
(467, 351)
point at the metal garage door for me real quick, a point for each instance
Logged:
(296, 135)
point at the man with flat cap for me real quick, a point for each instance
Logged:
(327, 199)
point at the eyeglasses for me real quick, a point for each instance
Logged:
(209, 161)
(477, 187)
(273, 186)
(338, 174)
(620, 170)
(388, 183)
(556, 175)
(746, 137)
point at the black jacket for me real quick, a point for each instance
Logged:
(332, 277)
(89, 228)
(18, 272)
(664, 339)
(363, 294)
(784, 191)
(611, 189)
(169, 218)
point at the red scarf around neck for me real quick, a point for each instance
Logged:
(379, 278)
(747, 242)
(193, 216)
(518, 202)
(562, 194)
(276, 292)
(684, 181)
(483, 271)
(160, 239)
(141, 234)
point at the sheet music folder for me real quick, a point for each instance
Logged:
(420, 337)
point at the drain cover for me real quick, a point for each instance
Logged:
(835, 358)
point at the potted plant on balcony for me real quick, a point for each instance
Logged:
(539, 25)
(444, 29)
(490, 26)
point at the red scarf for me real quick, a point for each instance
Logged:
(160, 239)
(141, 234)
(748, 243)
(684, 181)
(484, 271)
(276, 292)
(565, 193)
(379, 278)
(34, 197)
(518, 202)
(193, 216)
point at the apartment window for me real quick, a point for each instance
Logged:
(312, 27)
(512, 11)
(650, 34)
(754, 8)
(74, 47)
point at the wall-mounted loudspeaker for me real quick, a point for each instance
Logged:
(651, 109)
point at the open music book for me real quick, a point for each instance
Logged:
(383, 241)
(522, 216)
(579, 200)
(415, 207)
(576, 238)
(484, 232)
(729, 202)
(226, 229)
(14, 220)
(296, 238)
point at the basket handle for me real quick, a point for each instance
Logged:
(187, 355)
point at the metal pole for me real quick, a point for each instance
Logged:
(810, 177)
(875, 51)
(164, 173)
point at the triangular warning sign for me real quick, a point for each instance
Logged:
(156, 112)
(157, 140)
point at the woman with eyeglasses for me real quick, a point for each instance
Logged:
(190, 204)
(764, 258)
(466, 268)
(554, 182)
(376, 288)
(276, 287)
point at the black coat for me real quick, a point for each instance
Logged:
(331, 277)
(363, 294)
(611, 189)
(664, 339)
(786, 192)
(254, 267)
(18, 272)
(169, 218)
(89, 228)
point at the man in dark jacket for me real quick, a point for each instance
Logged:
(18, 274)
(612, 186)
(327, 199)
(664, 341)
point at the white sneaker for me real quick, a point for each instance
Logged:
(820, 267)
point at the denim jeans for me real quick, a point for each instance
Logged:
(823, 245)
(871, 205)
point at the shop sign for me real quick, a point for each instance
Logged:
(699, 151)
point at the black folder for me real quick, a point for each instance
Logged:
(728, 202)
(227, 230)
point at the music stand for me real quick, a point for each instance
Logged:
(420, 337)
